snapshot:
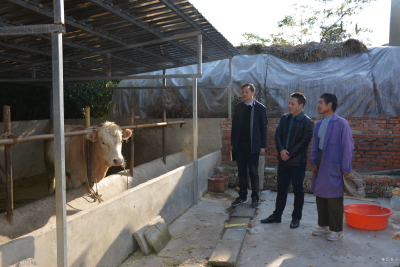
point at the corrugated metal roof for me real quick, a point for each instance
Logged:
(95, 25)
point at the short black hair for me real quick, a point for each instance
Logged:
(301, 99)
(250, 86)
(330, 98)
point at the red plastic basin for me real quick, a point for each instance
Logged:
(367, 216)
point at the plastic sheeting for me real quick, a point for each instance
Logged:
(366, 85)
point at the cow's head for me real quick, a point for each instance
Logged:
(108, 141)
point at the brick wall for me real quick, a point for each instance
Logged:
(376, 185)
(376, 143)
(376, 147)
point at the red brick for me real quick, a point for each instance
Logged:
(383, 179)
(377, 168)
(378, 143)
(385, 164)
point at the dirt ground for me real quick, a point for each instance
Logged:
(198, 230)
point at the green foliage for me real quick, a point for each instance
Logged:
(252, 38)
(334, 21)
(30, 102)
(98, 100)
(328, 23)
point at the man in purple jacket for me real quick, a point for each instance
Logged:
(331, 157)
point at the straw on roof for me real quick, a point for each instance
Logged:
(310, 52)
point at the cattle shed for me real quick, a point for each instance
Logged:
(60, 42)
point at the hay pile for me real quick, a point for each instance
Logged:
(310, 52)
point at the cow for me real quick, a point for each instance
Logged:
(105, 151)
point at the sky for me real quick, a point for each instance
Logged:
(232, 18)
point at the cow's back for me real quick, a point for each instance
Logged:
(74, 148)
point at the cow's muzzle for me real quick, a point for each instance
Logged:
(118, 162)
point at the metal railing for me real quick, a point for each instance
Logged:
(12, 140)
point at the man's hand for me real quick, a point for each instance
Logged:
(285, 155)
(262, 151)
(345, 173)
(315, 170)
(231, 147)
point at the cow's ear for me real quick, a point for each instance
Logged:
(126, 134)
(92, 137)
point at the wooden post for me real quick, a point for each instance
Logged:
(163, 138)
(8, 164)
(132, 144)
(89, 169)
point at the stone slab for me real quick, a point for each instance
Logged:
(226, 253)
(228, 249)
(234, 234)
(141, 239)
(156, 238)
(237, 220)
(162, 226)
(25, 263)
(244, 210)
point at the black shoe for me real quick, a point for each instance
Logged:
(295, 223)
(239, 201)
(271, 219)
(254, 203)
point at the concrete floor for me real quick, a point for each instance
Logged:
(198, 230)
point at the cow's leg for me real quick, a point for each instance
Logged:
(68, 183)
(51, 184)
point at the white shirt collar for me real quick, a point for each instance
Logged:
(251, 104)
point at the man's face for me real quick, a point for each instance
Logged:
(294, 106)
(323, 107)
(247, 94)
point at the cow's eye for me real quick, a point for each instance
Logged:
(103, 143)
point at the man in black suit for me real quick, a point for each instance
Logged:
(248, 141)
(292, 139)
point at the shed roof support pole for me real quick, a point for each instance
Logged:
(8, 165)
(230, 87)
(195, 126)
(195, 145)
(59, 145)
(199, 54)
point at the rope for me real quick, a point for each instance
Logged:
(93, 194)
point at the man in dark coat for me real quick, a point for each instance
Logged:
(292, 139)
(248, 141)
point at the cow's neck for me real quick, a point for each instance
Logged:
(99, 166)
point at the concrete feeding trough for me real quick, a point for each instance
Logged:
(102, 234)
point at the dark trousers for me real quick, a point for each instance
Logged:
(287, 174)
(330, 213)
(245, 158)
(330, 210)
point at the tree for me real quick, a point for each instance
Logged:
(98, 100)
(252, 38)
(329, 23)
(334, 20)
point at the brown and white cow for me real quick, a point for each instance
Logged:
(105, 152)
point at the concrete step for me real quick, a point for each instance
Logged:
(227, 251)
(244, 211)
